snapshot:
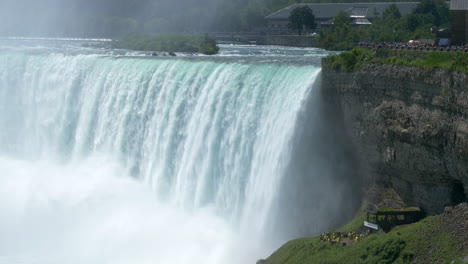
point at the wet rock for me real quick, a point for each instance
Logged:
(411, 129)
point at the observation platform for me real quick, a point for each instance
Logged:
(387, 218)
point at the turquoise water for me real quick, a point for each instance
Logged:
(115, 157)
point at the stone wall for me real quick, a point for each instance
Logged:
(293, 41)
(410, 127)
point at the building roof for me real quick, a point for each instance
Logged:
(356, 21)
(459, 5)
(357, 12)
(329, 10)
(328, 22)
(361, 21)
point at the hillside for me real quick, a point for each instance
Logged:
(437, 239)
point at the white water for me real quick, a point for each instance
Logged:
(91, 212)
(131, 160)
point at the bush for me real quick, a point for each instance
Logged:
(353, 60)
(384, 251)
(349, 60)
(451, 61)
(461, 62)
(168, 43)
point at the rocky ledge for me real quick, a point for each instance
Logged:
(410, 125)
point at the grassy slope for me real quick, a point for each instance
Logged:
(451, 61)
(353, 224)
(422, 242)
(356, 58)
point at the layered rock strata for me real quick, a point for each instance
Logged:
(410, 127)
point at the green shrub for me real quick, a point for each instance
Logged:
(349, 60)
(445, 60)
(460, 63)
(353, 60)
(168, 43)
(384, 251)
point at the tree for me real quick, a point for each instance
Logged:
(437, 8)
(376, 13)
(341, 36)
(425, 7)
(300, 18)
(341, 18)
(391, 12)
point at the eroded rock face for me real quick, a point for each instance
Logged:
(411, 129)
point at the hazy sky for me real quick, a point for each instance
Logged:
(103, 17)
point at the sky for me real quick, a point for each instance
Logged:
(75, 18)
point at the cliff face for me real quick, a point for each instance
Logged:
(410, 127)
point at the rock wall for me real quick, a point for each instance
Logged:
(293, 41)
(410, 127)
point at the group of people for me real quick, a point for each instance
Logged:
(422, 46)
(336, 237)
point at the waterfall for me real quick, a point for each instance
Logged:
(203, 139)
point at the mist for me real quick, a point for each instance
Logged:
(323, 185)
(104, 18)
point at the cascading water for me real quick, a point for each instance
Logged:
(108, 159)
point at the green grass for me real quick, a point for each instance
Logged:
(405, 209)
(452, 61)
(168, 43)
(354, 60)
(422, 242)
(354, 224)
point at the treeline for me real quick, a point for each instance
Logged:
(114, 18)
(168, 43)
(390, 26)
(245, 15)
